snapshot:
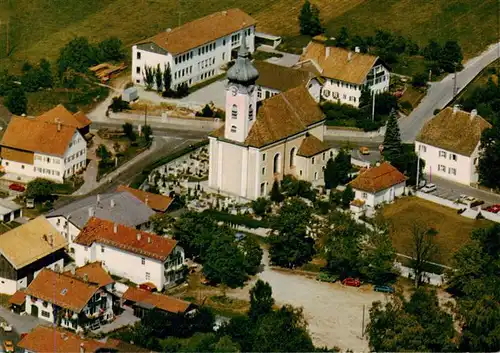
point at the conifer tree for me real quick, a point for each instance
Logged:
(392, 140)
(276, 195)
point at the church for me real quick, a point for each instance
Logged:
(262, 142)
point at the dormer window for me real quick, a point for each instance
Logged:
(250, 112)
(234, 112)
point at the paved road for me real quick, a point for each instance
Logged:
(441, 93)
(451, 191)
(20, 324)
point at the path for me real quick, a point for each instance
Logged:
(441, 93)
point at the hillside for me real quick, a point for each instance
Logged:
(38, 28)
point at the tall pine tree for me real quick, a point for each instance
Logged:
(310, 23)
(167, 78)
(393, 148)
(276, 195)
(158, 78)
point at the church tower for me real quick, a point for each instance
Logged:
(241, 96)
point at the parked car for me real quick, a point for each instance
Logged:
(383, 289)
(8, 346)
(150, 287)
(364, 150)
(493, 208)
(429, 188)
(5, 326)
(326, 277)
(17, 187)
(352, 282)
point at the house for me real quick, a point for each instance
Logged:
(449, 144)
(129, 253)
(118, 207)
(274, 79)
(158, 203)
(60, 114)
(196, 50)
(33, 148)
(257, 146)
(377, 185)
(43, 339)
(68, 300)
(142, 300)
(9, 210)
(26, 250)
(345, 72)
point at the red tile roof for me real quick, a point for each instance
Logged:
(378, 178)
(126, 238)
(78, 120)
(157, 202)
(18, 298)
(160, 301)
(95, 274)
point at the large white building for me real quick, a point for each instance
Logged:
(129, 253)
(345, 72)
(450, 144)
(254, 148)
(196, 50)
(33, 148)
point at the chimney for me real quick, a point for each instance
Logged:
(327, 52)
(85, 278)
(349, 56)
(473, 114)
(115, 228)
(357, 49)
(82, 348)
(58, 122)
(91, 212)
(138, 236)
(455, 109)
(149, 240)
(112, 203)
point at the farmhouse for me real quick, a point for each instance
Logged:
(196, 50)
(378, 185)
(345, 72)
(60, 114)
(126, 252)
(159, 203)
(450, 144)
(256, 147)
(26, 250)
(33, 148)
(274, 79)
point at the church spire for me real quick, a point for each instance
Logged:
(243, 71)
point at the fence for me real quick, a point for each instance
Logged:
(335, 131)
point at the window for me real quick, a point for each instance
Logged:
(442, 154)
(263, 157)
(259, 93)
(138, 70)
(233, 128)
(453, 157)
(143, 261)
(223, 56)
(476, 161)
(300, 172)
(277, 163)
(364, 195)
(234, 112)
(6, 163)
(452, 171)
(22, 166)
(263, 170)
(423, 148)
(315, 175)
(102, 248)
(312, 160)
(138, 55)
(223, 42)
(148, 276)
(441, 168)
(45, 313)
(292, 157)
(250, 112)
(324, 155)
(262, 189)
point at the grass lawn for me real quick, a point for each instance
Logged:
(454, 230)
(481, 80)
(413, 96)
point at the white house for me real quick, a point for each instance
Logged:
(129, 253)
(26, 250)
(274, 79)
(32, 148)
(69, 300)
(9, 210)
(261, 143)
(196, 50)
(378, 185)
(450, 144)
(345, 72)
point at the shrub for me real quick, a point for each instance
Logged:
(236, 219)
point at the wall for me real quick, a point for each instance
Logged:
(341, 92)
(334, 131)
(383, 84)
(75, 158)
(67, 229)
(8, 286)
(495, 217)
(440, 200)
(39, 304)
(149, 58)
(387, 195)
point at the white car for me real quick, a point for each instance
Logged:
(429, 188)
(5, 326)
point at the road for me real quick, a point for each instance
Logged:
(452, 191)
(441, 93)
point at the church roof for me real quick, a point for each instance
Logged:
(312, 146)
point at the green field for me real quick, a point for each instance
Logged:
(38, 28)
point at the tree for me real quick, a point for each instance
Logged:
(225, 344)
(161, 223)
(40, 189)
(451, 56)
(489, 157)
(102, 152)
(128, 130)
(432, 51)
(149, 77)
(261, 300)
(16, 101)
(167, 78)
(147, 132)
(78, 55)
(253, 255)
(393, 148)
(110, 49)
(366, 99)
(337, 170)
(419, 79)
(347, 196)
(240, 329)
(315, 26)
(290, 245)
(342, 39)
(276, 195)
(481, 329)
(158, 78)
(261, 206)
(330, 174)
(225, 263)
(379, 256)
(310, 23)
(46, 79)
(118, 104)
(423, 248)
(195, 232)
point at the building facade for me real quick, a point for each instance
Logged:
(196, 50)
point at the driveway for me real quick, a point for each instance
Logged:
(441, 93)
(287, 59)
(452, 191)
(334, 312)
(20, 324)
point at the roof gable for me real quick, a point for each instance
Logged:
(281, 78)
(311, 146)
(94, 273)
(78, 120)
(155, 201)
(160, 301)
(378, 178)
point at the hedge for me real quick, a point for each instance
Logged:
(236, 219)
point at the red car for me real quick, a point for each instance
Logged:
(353, 282)
(493, 208)
(17, 187)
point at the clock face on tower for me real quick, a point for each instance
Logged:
(234, 90)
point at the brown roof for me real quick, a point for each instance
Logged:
(44, 339)
(63, 290)
(280, 78)
(378, 178)
(11, 154)
(160, 301)
(337, 65)
(284, 115)
(358, 203)
(18, 298)
(454, 132)
(78, 120)
(95, 274)
(203, 30)
(37, 136)
(156, 202)
(311, 146)
(126, 238)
